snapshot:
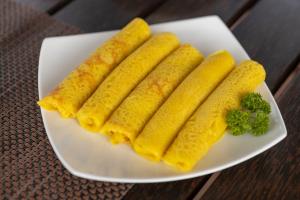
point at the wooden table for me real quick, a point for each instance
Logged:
(269, 30)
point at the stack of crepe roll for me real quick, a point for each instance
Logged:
(161, 97)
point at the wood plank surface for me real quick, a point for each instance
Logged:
(275, 174)
(270, 34)
(95, 15)
(45, 5)
(228, 10)
(171, 190)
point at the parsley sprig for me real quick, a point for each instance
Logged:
(253, 116)
(254, 102)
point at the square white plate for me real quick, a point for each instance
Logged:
(92, 156)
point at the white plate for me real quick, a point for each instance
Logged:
(92, 156)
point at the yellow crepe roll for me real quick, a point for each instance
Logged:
(123, 79)
(73, 91)
(208, 124)
(162, 128)
(130, 117)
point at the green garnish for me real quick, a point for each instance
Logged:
(259, 123)
(238, 122)
(253, 117)
(254, 102)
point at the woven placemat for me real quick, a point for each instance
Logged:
(29, 169)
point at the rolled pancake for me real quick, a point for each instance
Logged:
(123, 79)
(208, 124)
(130, 117)
(162, 128)
(73, 91)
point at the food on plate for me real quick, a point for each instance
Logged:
(238, 121)
(130, 117)
(253, 117)
(161, 97)
(254, 102)
(76, 88)
(123, 79)
(207, 125)
(162, 128)
(260, 123)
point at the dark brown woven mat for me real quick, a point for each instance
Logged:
(28, 166)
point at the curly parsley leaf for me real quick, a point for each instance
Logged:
(259, 123)
(254, 102)
(238, 121)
